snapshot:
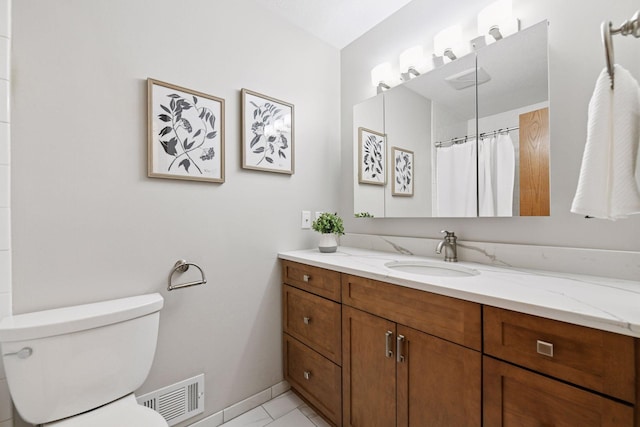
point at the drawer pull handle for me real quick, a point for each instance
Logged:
(544, 348)
(306, 278)
(306, 320)
(387, 344)
(307, 375)
(399, 355)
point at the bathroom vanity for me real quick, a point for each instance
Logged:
(460, 345)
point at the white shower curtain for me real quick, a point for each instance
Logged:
(456, 180)
(496, 164)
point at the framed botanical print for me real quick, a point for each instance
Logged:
(403, 172)
(371, 157)
(185, 133)
(267, 133)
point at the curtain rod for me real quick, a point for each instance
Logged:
(463, 139)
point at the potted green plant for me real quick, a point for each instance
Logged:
(329, 225)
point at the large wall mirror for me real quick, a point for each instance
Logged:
(469, 138)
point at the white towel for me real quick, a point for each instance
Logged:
(607, 187)
(505, 175)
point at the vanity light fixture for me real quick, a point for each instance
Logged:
(448, 40)
(497, 20)
(381, 75)
(411, 60)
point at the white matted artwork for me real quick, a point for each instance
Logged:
(371, 155)
(267, 133)
(185, 133)
(403, 172)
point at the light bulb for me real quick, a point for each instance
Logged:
(381, 73)
(497, 19)
(412, 58)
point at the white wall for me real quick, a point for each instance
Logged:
(5, 193)
(576, 57)
(407, 126)
(89, 225)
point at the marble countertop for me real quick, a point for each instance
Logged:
(598, 302)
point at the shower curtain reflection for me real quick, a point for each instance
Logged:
(496, 163)
(455, 191)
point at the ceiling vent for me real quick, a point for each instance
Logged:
(467, 78)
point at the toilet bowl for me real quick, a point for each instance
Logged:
(79, 365)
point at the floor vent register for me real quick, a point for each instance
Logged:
(177, 402)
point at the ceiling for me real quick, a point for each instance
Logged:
(337, 22)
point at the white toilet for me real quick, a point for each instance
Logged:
(78, 366)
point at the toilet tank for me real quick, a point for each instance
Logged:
(70, 360)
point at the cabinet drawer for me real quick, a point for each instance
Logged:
(516, 397)
(449, 318)
(599, 360)
(317, 379)
(319, 281)
(314, 320)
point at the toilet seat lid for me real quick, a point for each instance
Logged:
(124, 412)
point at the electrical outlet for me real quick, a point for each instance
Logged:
(318, 213)
(306, 219)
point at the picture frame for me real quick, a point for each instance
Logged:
(268, 133)
(185, 133)
(403, 172)
(371, 157)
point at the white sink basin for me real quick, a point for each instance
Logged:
(432, 268)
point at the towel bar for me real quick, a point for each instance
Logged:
(629, 27)
(182, 266)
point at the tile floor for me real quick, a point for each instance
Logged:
(286, 410)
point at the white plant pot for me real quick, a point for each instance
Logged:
(328, 243)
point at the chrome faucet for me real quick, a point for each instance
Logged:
(450, 246)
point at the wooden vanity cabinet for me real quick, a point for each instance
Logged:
(399, 375)
(312, 346)
(518, 397)
(367, 353)
(554, 373)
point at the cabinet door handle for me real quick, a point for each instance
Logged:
(306, 320)
(399, 342)
(544, 348)
(307, 375)
(387, 344)
(306, 278)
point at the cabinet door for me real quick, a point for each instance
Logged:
(439, 382)
(516, 397)
(368, 370)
